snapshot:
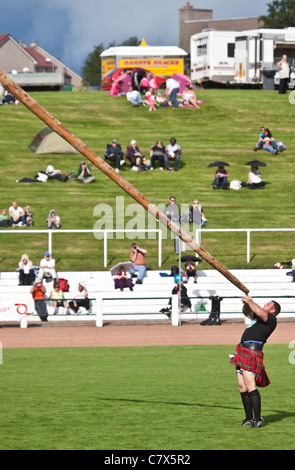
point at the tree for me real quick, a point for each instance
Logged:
(91, 70)
(281, 14)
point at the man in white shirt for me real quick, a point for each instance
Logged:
(134, 97)
(172, 88)
(47, 267)
(293, 269)
(172, 152)
(17, 215)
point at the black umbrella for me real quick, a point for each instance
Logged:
(190, 258)
(218, 164)
(255, 163)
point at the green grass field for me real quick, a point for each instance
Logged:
(139, 398)
(226, 127)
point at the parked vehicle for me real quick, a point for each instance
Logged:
(212, 57)
(257, 53)
(137, 74)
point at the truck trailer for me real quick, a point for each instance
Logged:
(212, 57)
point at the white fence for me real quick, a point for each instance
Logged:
(106, 232)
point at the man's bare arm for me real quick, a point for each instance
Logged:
(254, 308)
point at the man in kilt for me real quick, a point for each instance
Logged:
(248, 357)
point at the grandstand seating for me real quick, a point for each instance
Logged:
(146, 301)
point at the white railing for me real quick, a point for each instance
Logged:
(246, 230)
(106, 232)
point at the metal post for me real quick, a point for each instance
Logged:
(99, 320)
(160, 248)
(248, 246)
(175, 317)
(50, 241)
(105, 250)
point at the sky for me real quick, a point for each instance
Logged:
(70, 29)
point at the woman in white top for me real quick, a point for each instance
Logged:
(255, 178)
(26, 271)
(188, 97)
(284, 75)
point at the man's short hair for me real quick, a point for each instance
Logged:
(277, 307)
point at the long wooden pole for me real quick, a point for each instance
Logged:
(56, 126)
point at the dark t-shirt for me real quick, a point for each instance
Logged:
(259, 330)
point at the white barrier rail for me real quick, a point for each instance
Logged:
(93, 231)
(248, 231)
(106, 232)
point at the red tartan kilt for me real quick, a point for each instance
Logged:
(251, 361)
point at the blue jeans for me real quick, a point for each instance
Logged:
(221, 181)
(269, 148)
(141, 269)
(173, 97)
(176, 161)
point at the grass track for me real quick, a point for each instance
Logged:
(139, 398)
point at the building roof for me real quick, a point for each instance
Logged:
(39, 59)
(143, 50)
(3, 36)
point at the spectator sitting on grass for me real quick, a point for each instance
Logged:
(84, 174)
(4, 219)
(17, 215)
(28, 216)
(53, 220)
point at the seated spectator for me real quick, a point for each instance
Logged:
(114, 154)
(261, 136)
(197, 215)
(38, 293)
(16, 215)
(189, 97)
(84, 174)
(150, 99)
(118, 88)
(54, 174)
(161, 100)
(134, 155)
(190, 271)
(255, 178)
(269, 143)
(58, 299)
(47, 268)
(134, 97)
(28, 216)
(220, 180)
(26, 272)
(172, 152)
(184, 300)
(157, 152)
(4, 219)
(266, 141)
(9, 98)
(80, 298)
(53, 220)
(122, 280)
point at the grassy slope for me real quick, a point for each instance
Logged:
(226, 128)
